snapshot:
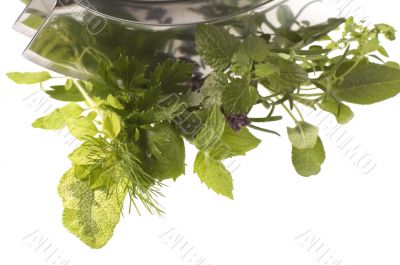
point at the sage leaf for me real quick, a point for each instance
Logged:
(370, 84)
(307, 162)
(91, 215)
(303, 136)
(342, 112)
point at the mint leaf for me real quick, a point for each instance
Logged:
(341, 111)
(91, 215)
(215, 46)
(239, 97)
(212, 129)
(289, 77)
(59, 117)
(212, 89)
(264, 70)
(307, 162)
(214, 174)
(254, 48)
(29, 78)
(370, 84)
(303, 136)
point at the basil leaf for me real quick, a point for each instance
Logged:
(29, 78)
(370, 84)
(59, 117)
(214, 174)
(239, 97)
(215, 46)
(307, 162)
(303, 136)
(91, 215)
(165, 156)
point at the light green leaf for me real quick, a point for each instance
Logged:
(303, 136)
(165, 157)
(87, 154)
(111, 124)
(82, 127)
(370, 84)
(68, 92)
(307, 162)
(289, 77)
(214, 174)
(239, 97)
(212, 89)
(234, 143)
(29, 78)
(59, 117)
(215, 46)
(264, 70)
(212, 129)
(341, 111)
(91, 215)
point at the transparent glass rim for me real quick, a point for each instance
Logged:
(178, 6)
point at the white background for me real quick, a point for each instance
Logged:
(354, 215)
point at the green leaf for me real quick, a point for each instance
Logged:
(307, 162)
(212, 129)
(68, 92)
(29, 78)
(170, 74)
(341, 111)
(289, 77)
(239, 97)
(165, 152)
(59, 117)
(214, 174)
(111, 124)
(264, 70)
(212, 89)
(254, 48)
(370, 84)
(285, 16)
(215, 46)
(233, 143)
(303, 136)
(82, 127)
(91, 215)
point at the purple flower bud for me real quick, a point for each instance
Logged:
(237, 121)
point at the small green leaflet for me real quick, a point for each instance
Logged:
(233, 143)
(170, 74)
(215, 45)
(212, 130)
(111, 124)
(239, 97)
(307, 162)
(214, 174)
(82, 127)
(303, 136)
(264, 70)
(341, 111)
(91, 215)
(59, 117)
(29, 78)
(370, 84)
(68, 92)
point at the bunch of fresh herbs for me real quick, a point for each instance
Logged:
(133, 116)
